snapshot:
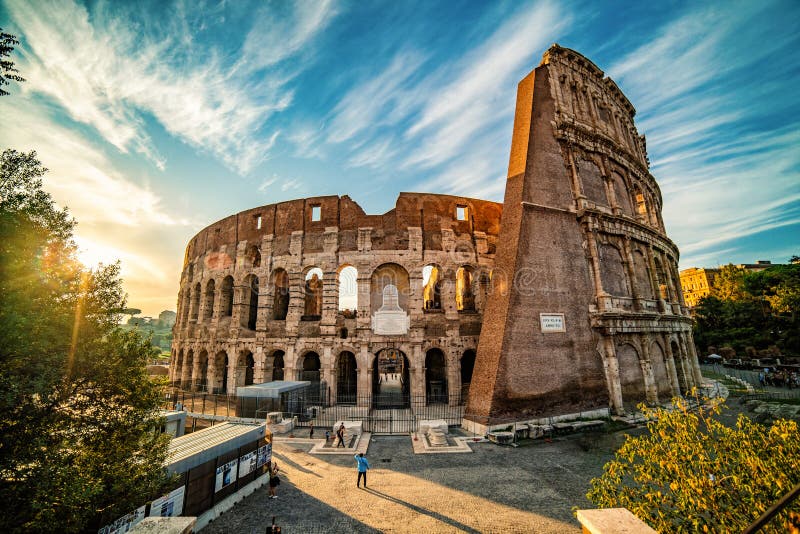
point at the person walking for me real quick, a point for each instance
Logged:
(311, 431)
(362, 465)
(340, 436)
(274, 479)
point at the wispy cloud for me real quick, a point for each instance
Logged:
(108, 75)
(449, 115)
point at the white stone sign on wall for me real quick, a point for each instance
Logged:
(390, 319)
(552, 322)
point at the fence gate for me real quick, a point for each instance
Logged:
(390, 421)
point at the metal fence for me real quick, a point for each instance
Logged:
(380, 413)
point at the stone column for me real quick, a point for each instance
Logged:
(651, 391)
(691, 355)
(364, 386)
(328, 371)
(611, 368)
(259, 366)
(195, 378)
(603, 298)
(417, 374)
(453, 379)
(671, 369)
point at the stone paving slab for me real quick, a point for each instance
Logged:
(496, 489)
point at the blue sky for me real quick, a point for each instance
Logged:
(157, 118)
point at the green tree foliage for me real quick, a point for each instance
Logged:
(691, 473)
(77, 410)
(752, 309)
(7, 69)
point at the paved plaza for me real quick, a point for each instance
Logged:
(496, 488)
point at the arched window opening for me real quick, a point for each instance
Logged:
(277, 365)
(346, 378)
(251, 296)
(253, 256)
(663, 283)
(280, 298)
(467, 366)
(249, 368)
(612, 271)
(313, 295)
(631, 377)
(431, 287)
(465, 296)
(641, 204)
(311, 367)
(348, 291)
(208, 311)
(226, 291)
(435, 377)
(186, 304)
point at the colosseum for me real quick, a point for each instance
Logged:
(563, 299)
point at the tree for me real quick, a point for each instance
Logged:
(7, 69)
(691, 473)
(77, 410)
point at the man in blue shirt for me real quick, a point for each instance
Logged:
(363, 465)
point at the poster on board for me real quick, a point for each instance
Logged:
(170, 505)
(247, 463)
(226, 475)
(264, 454)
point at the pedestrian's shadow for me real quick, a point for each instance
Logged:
(424, 511)
(296, 465)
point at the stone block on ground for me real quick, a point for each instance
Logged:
(427, 424)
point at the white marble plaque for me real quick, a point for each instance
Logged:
(552, 322)
(390, 319)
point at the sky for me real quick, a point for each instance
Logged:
(156, 119)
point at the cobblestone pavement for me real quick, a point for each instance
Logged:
(495, 489)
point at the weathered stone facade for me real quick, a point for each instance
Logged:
(590, 313)
(245, 261)
(576, 300)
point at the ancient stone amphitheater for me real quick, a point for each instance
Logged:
(573, 302)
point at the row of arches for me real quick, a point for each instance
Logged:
(653, 371)
(202, 303)
(611, 189)
(390, 379)
(635, 271)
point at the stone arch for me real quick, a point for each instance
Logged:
(310, 367)
(641, 268)
(680, 367)
(245, 368)
(622, 194)
(467, 366)
(347, 290)
(312, 294)
(221, 364)
(631, 376)
(658, 361)
(253, 256)
(389, 274)
(250, 301)
(185, 305)
(201, 380)
(642, 207)
(390, 379)
(226, 297)
(186, 370)
(195, 302)
(612, 271)
(663, 282)
(278, 365)
(177, 367)
(465, 293)
(346, 378)
(280, 294)
(432, 287)
(208, 306)
(435, 377)
(591, 177)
